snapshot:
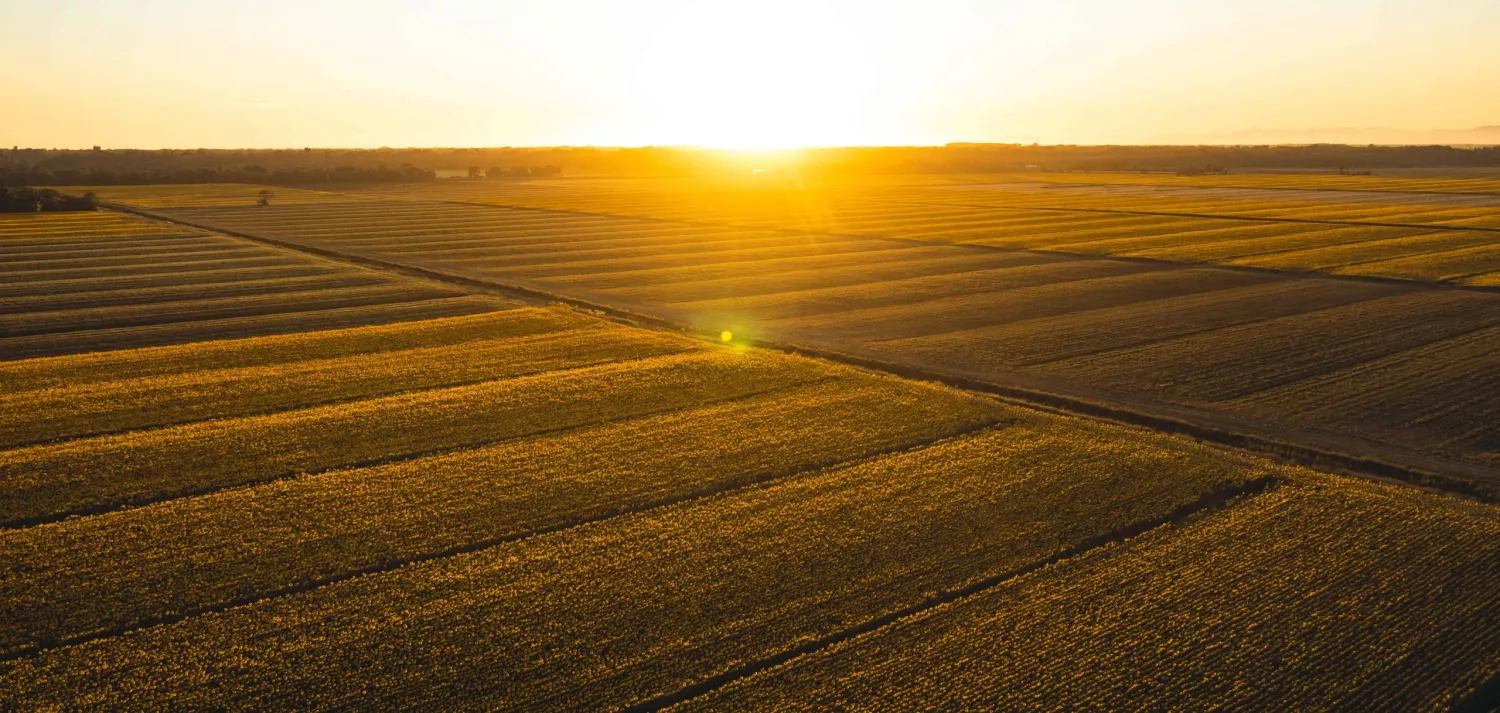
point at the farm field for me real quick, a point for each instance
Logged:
(75, 282)
(1085, 633)
(1103, 304)
(370, 457)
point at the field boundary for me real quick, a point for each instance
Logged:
(1206, 503)
(1484, 698)
(708, 491)
(1296, 446)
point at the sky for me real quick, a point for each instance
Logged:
(764, 73)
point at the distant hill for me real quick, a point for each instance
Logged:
(1480, 136)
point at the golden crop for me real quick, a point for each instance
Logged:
(618, 611)
(1326, 594)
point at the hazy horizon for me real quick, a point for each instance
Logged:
(172, 74)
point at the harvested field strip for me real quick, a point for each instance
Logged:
(1024, 222)
(399, 219)
(147, 260)
(1488, 221)
(807, 292)
(1229, 250)
(1254, 180)
(92, 242)
(559, 238)
(1320, 596)
(73, 320)
(89, 241)
(165, 279)
(1346, 211)
(1233, 363)
(65, 224)
(1135, 244)
(149, 250)
(561, 230)
(1034, 237)
(1484, 279)
(664, 275)
(846, 250)
(263, 259)
(579, 241)
(467, 498)
(129, 228)
(1439, 265)
(1093, 285)
(108, 472)
(445, 218)
(1323, 258)
(1391, 397)
(128, 404)
(555, 236)
(181, 360)
(612, 613)
(971, 219)
(1049, 339)
(441, 219)
(1235, 210)
(708, 246)
(46, 345)
(178, 293)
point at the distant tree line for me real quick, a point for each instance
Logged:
(22, 166)
(17, 174)
(31, 200)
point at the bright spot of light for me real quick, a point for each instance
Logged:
(726, 335)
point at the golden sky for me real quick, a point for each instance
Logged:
(278, 73)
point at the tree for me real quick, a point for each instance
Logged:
(265, 197)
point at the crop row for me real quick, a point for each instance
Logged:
(160, 295)
(82, 409)
(1321, 596)
(289, 300)
(1057, 290)
(1454, 264)
(67, 226)
(260, 260)
(801, 293)
(322, 317)
(79, 370)
(621, 611)
(769, 265)
(1238, 251)
(1048, 339)
(1392, 398)
(1233, 363)
(1354, 183)
(75, 285)
(200, 254)
(114, 570)
(154, 246)
(43, 481)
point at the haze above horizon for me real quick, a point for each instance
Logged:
(775, 73)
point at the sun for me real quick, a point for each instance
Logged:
(764, 75)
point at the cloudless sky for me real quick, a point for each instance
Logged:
(292, 73)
